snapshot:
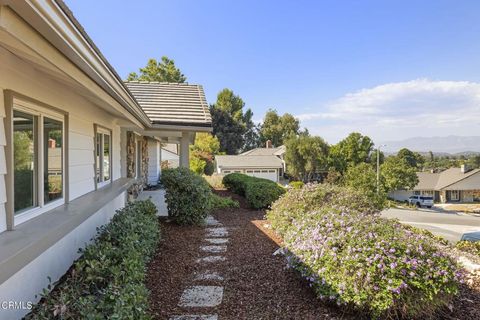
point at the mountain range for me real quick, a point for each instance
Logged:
(448, 145)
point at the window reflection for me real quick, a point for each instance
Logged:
(53, 162)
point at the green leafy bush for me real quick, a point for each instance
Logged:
(469, 246)
(313, 197)
(218, 202)
(296, 184)
(108, 280)
(352, 256)
(260, 193)
(188, 196)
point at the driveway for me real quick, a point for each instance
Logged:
(453, 226)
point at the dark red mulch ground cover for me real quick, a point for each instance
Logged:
(257, 284)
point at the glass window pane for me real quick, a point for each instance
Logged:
(24, 148)
(53, 159)
(98, 152)
(106, 157)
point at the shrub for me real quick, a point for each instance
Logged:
(215, 181)
(313, 197)
(296, 184)
(352, 256)
(218, 202)
(260, 193)
(107, 281)
(469, 246)
(188, 195)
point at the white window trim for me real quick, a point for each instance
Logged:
(41, 111)
(457, 195)
(102, 130)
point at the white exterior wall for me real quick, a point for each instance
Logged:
(82, 114)
(3, 167)
(54, 262)
(173, 159)
(154, 159)
(400, 195)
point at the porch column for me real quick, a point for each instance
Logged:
(153, 161)
(184, 150)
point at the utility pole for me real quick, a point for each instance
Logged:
(378, 167)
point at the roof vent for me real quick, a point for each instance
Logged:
(268, 145)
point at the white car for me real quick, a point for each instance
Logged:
(421, 201)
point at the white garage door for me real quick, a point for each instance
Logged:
(270, 174)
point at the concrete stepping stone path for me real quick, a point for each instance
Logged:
(206, 296)
(201, 296)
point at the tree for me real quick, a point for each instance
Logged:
(351, 151)
(362, 177)
(305, 156)
(278, 128)
(202, 153)
(230, 124)
(163, 71)
(413, 159)
(398, 174)
(251, 136)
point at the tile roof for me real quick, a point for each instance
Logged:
(247, 161)
(439, 181)
(172, 103)
(264, 151)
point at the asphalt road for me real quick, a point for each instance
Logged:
(452, 226)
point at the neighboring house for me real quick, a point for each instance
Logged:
(451, 185)
(170, 155)
(265, 163)
(75, 142)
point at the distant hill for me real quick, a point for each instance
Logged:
(449, 145)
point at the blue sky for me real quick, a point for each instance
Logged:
(389, 69)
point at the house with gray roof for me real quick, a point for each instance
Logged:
(452, 185)
(267, 163)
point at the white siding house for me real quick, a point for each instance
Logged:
(75, 142)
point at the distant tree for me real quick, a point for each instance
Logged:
(305, 156)
(352, 150)
(251, 137)
(398, 174)
(162, 71)
(474, 161)
(431, 156)
(278, 128)
(202, 153)
(373, 157)
(333, 176)
(413, 159)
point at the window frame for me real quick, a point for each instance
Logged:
(99, 129)
(40, 111)
(457, 195)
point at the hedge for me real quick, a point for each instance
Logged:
(108, 280)
(355, 258)
(259, 193)
(189, 196)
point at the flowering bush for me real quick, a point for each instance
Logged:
(352, 256)
(296, 184)
(260, 193)
(313, 197)
(469, 246)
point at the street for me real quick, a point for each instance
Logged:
(452, 226)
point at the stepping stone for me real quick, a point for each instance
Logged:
(217, 240)
(201, 296)
(210, 259)
(214, 249)
(208, 275)
(211, 221)
(195, 317)
(217, 232)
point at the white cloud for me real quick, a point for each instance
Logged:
(395, 111)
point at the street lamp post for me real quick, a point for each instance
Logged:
(378, 167)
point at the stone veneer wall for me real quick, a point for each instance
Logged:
(136, 188)
(130, 154)
(145, 158)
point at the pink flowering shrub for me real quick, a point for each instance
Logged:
(313, 199)
(362, 261)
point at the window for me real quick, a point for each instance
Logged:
(271, 171)
(455, 195)
(38, 160)
(227, 171)
(103, 156)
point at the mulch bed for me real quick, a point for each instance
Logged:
(257, 283)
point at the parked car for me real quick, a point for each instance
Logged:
(421, 201)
